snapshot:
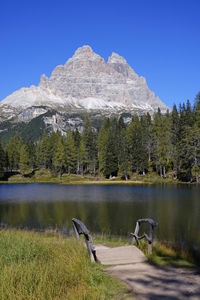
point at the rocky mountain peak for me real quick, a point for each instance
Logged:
(43, 81)
(84, 53)
(86, 83)
(116, 59)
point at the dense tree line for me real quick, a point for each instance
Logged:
(165, 144)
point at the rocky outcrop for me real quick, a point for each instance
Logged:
(85, 83)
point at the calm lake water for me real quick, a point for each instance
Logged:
(111, 209)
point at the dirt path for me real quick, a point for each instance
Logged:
(147, 281)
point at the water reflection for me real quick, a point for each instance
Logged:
(104, 208)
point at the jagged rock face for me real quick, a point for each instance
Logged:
(86, 83)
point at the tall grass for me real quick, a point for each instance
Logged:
(164, 254)
(37, 266)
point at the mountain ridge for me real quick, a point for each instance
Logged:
(87, 77)
(84, 84)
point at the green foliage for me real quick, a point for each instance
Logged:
(43, 152)
(2, 161)
(107, 147)
(90, 142)
(13, 151)
(161, 137)
(82, 158)
(24, 160)
(70, 153)
(28, 131)
(137, 150)
(59, 161)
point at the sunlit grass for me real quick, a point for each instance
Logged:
(165, 255)
(42, 266)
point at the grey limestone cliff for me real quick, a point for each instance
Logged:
(84, 83)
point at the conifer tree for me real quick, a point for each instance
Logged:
(82, 157)
(102, 142)
(185, 144)
(90, 141)
(138, 153)
(52, 144)
(196, 137)
(43, 152)
(161, 136)
(70, 153)
(108, 155)
(31, 148)
(77, 138)
(24, 160)
(175, 128)
(2, 161)
(123, 154)
(77, 141)
(146, 123)
(59, 160)
(13, 151)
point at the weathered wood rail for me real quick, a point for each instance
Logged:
(80, 228)
(149, 238)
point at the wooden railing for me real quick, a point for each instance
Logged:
(149, 238)
(80, 228)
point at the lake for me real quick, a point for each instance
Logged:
(110, 209)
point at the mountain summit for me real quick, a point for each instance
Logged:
(85, 83)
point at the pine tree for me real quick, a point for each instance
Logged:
(77, 141)
(82, 157)
(175, 129)
(107, 149)
(31, 148)
(70, 153)
(146, 139)
(137, 150)
(24, 160)
(102, 142)
(196, 137)
(52, 147)
(13, 151)
(59, 160)
(90, 141)
(2, 161)
(43, 152)
(123, 154)
(162, 148)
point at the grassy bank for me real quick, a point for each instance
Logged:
(42, 266)
(45, 176)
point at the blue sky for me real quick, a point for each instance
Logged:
(159, 39)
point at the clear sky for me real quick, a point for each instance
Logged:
(160, 39)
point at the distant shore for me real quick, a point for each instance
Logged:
(77, 179)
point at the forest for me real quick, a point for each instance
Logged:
(168, 144)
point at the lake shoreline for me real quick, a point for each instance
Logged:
(46, 176)
(102, 182)
(70, 180)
